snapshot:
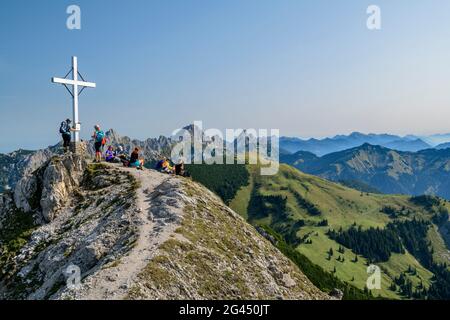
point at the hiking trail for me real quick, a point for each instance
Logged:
(114, 282)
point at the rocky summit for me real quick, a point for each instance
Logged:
(73, 230)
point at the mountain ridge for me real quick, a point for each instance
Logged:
(390, 171)
(133, 235)
(313, 215)
(337, 143)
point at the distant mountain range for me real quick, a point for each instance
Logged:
(436, 139)
(425, 172)
(387, 170)
(325, 146)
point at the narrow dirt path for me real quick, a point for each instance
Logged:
(114, 282)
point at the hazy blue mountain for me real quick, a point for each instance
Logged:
(300, 159)
(436, 139)
(387, 170)
(409, 145)
(325, 146)
(443, 145)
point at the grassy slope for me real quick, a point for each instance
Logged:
(342, 207)
(241, 200)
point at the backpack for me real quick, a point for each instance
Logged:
(100, 137)
(63, 128)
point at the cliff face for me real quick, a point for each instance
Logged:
(63, 214)
(16, 164)
(77, 231)
(50, 187)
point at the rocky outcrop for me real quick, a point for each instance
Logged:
(108, 232)
(59, 180)
(25, 191)
(95, 224)
(48, 188)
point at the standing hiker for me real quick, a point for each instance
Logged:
(99, 142)
(65, 130)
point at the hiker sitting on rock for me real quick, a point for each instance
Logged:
(120, 151)
(135, 162)
(166, 167)
(110, 155)
(122, 156)
(180, 169)
(159, 164)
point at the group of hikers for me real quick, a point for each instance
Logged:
(119, 155)
(165, 166)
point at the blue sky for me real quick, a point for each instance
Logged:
(308, 68)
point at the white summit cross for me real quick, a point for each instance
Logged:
(75, 83)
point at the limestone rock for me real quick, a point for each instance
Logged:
(128, 234)
(86, 228)
(59, 179)
(49, 188)
(25, 191)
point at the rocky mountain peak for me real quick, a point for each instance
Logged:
(112, 135)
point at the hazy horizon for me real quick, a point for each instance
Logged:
(310, 69)
(86, 137)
